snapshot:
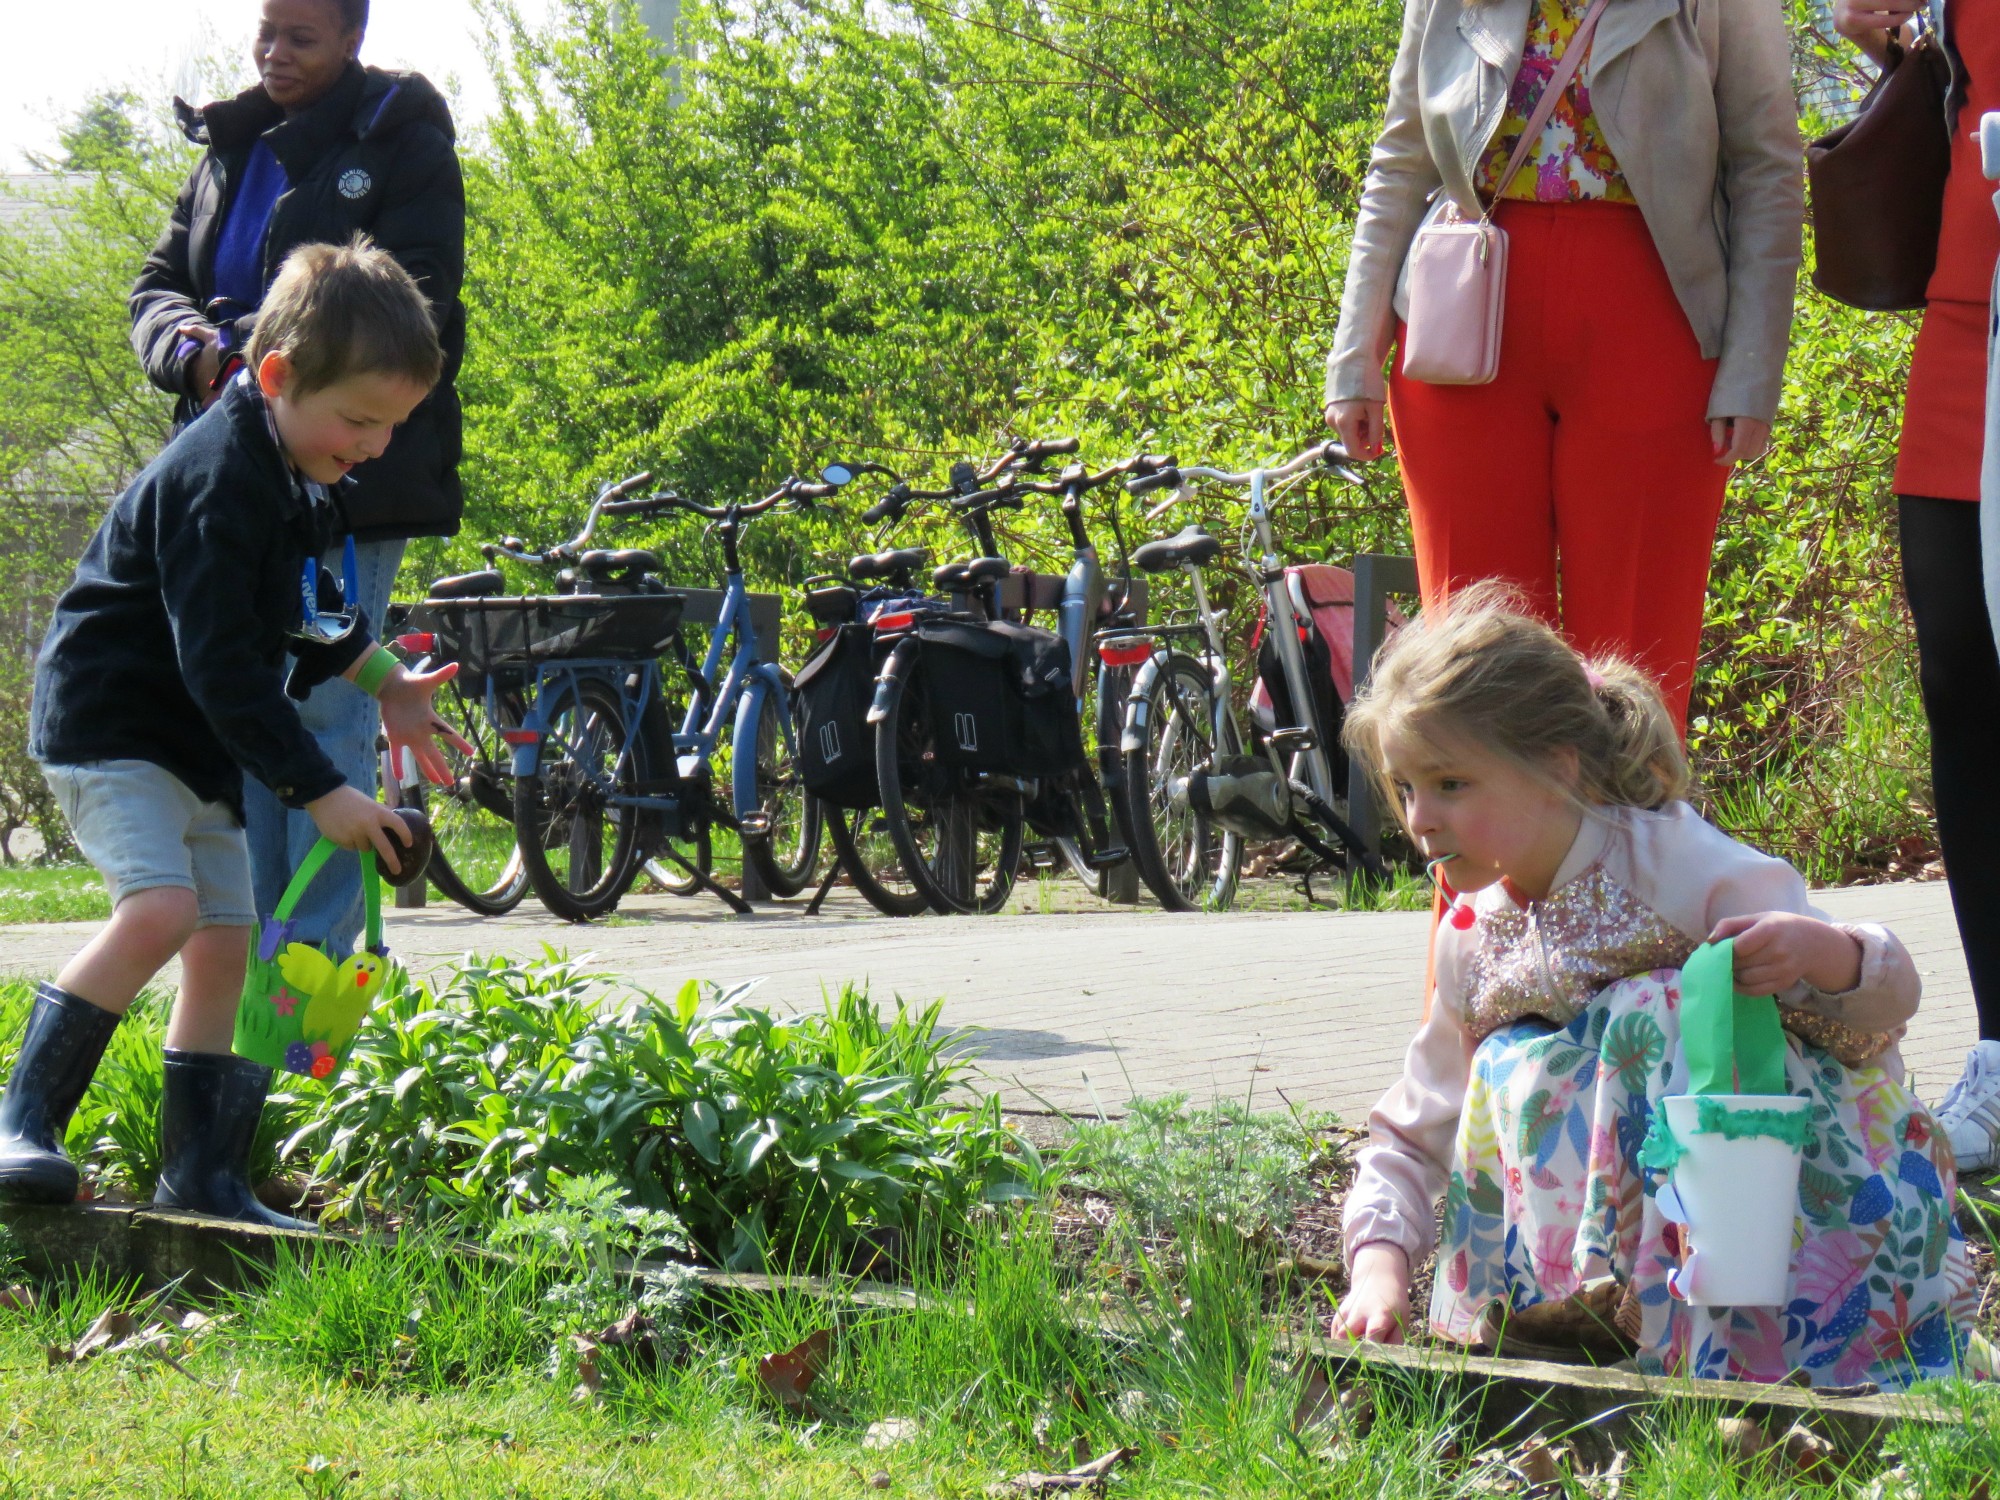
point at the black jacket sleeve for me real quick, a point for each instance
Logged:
(163, 298)
(421, 220)
(218, 642)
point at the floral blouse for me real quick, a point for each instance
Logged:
(1571, 162)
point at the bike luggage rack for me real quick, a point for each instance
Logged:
(1376, 577)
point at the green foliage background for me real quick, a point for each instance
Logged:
(904, 231)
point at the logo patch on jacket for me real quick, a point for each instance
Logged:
(355, 183)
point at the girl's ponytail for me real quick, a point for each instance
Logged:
(1643, 764)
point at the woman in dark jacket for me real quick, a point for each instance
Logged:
(321, 149)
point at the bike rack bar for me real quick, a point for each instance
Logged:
(704, 607)
(1376, 576)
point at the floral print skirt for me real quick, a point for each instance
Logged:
(1547, 1196)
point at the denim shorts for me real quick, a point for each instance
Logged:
(142, 828)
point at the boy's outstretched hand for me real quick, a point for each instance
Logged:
(412, 725)
(354, 820)
(1777, 949)
(1377, 1305)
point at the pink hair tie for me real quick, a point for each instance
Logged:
(1595, 678)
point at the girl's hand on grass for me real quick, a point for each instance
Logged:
(1377, 1304)
(413, 726)
(1778, 949)
(354, 820)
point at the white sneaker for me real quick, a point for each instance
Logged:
(1970, 1113)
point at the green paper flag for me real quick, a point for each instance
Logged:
(1734, 1043)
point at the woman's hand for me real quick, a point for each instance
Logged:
(1377, 1304)
(1359, 425)
(1738, 440)
(206, 364)
(1777, 949)
(1869, 23)
(412, 725)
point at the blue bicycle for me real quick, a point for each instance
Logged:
(602, 781)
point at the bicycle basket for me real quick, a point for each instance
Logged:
(836, 746)
(486, 636)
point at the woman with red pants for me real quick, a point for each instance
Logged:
(1937, 495)
(1653, 243)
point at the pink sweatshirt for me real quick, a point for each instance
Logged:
(1638, 891)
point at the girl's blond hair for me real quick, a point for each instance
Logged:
(1482, 671)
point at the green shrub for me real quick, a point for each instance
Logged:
(775, 1141)
(1166, 1163)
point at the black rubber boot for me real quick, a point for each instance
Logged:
(209, 1108)
(60, 1051)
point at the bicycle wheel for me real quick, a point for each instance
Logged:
(477, 862)
(1189, 863)
(786, 857)
(862, 844)
(698, 850)
(580, 848)
(959, 845)
(1105, 691)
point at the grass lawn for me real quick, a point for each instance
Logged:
(52, 893)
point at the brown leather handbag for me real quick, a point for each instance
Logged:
(1878, 186)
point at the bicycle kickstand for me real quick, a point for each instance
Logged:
(703, 882)
(819, 896)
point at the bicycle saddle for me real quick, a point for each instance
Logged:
(602, 562)
(887, 564)
(979, 570)
(1191, 545)
(481, 585)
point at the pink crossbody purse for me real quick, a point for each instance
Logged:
(1458, 270)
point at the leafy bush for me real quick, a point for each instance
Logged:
(775, 1142)
(1168, 1164)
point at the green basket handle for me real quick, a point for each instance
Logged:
(371, 890)
(1734, 1043)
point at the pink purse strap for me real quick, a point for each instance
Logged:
(1566, 66)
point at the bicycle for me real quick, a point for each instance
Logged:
(1194, 793)
(478, 864)
(602, 781)
(977, 717)
(833, 690)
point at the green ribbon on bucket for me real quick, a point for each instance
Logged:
(1734, 1044)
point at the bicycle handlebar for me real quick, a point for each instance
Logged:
(1328, 453)
(608, 502)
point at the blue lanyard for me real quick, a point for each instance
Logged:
(350, 590)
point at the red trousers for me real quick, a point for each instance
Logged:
(1584, 473)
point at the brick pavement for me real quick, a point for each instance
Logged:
(1082, 1009)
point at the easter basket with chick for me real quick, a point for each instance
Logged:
(301, 1005)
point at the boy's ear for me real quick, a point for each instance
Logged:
(274, 373)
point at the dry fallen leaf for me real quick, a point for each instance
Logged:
(589, 1378)
(1742, 1438)
(787, 1377)
(1538, 1469)
(17, 1298)
(1811, 1455)
(1318, 1404)
(890, 1431)
(112, 1325)
(1088, 1476)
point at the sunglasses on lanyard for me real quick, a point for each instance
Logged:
(330, 626)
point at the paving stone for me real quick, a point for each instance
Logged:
(1081, 1009)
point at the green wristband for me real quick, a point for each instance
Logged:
(375, 671)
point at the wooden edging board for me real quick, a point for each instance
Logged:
(156, 1247)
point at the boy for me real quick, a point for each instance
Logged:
(160, 683)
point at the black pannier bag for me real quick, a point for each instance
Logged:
(1000, 698)
(836, 743)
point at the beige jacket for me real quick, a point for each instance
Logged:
(1695, 100)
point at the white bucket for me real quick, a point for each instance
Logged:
(1738, 1199)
